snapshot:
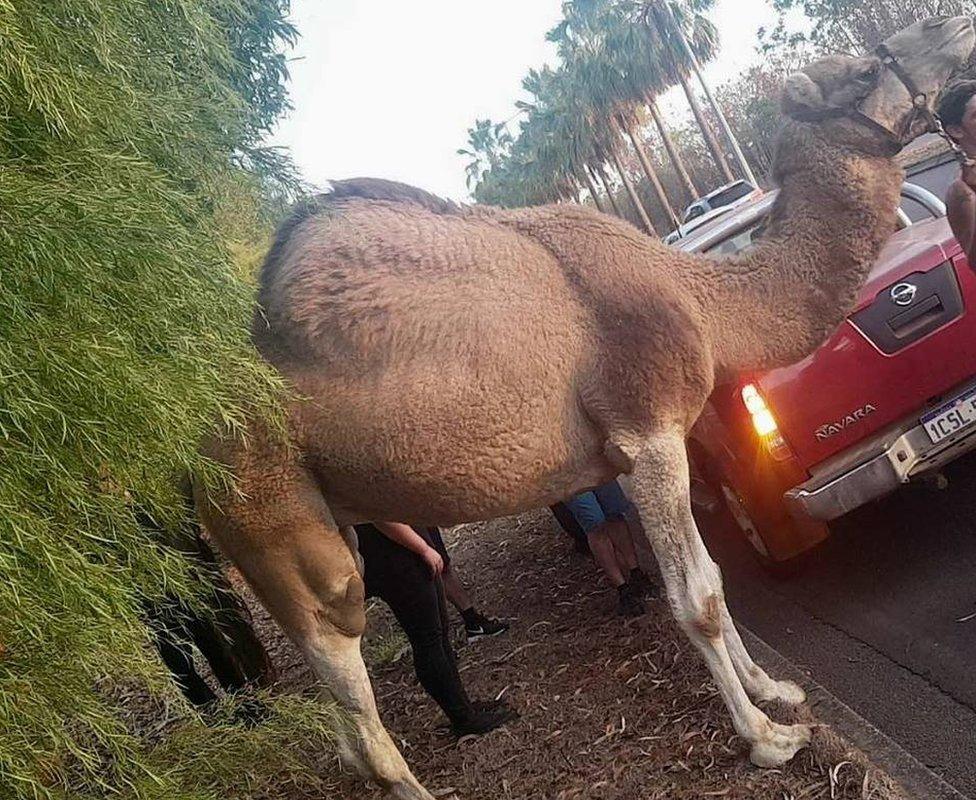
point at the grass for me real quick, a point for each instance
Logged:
(134, 199)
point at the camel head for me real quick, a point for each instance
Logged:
(890, 93)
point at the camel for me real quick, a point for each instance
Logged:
(453, 364)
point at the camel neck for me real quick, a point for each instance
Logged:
(778, 301)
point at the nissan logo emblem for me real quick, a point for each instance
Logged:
(903, 294)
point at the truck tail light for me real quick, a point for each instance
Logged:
(764, 423)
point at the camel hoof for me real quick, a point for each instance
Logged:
(785, 692)
(408, 790)
(779, 744)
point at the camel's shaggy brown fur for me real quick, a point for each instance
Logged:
(454, 364)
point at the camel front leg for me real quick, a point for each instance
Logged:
(693, 582)
(755, 680)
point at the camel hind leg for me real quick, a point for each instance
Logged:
(694, 586)
(280, 533)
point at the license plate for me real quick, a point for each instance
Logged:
(951, 418)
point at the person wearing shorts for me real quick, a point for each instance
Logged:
(601, 514)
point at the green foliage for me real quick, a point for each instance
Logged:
(853, 26)
(488, 143)
(130, 165)
(614, 55)
(751, 102)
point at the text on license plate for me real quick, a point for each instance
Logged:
(951, 418)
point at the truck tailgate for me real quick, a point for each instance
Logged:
(886, 362)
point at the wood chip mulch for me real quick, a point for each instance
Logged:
(610, 708)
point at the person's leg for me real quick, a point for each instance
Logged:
(177, 654)
(178, 658)
(589, 515)
(476, 624)
(225, 637)
(601, 545)
(456, 594)
(401, 579)
(623, 543)
(568, 523)
(227, 641)
(616, 505)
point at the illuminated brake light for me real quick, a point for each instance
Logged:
(764, 423)
(752, 399)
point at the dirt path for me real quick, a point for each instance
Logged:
(610, 708)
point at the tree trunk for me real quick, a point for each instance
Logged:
(649, 172)
(679, 165)
(592, 187)
(723, 122)
(641, 211)
(706, 129)
(606, 185)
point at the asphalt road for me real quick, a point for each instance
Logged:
(884, 613)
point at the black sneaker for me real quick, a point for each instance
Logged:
(643, 585)
(629, 603)
(481, 627)
(486, 717)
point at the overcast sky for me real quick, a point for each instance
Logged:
(388, 89)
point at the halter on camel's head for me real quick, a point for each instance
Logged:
(889, 96)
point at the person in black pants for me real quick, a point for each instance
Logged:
(223, 634)
(476, 625)
(402, 568)
(220, 627)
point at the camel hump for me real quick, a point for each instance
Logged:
(392, 191)
(340, 191)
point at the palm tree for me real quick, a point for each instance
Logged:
(716, 108)
(488, 144)
(608, 189)
(597, 47)
(634, 72)
(547, 160)
(576, 126)
(607, 206)
(668, 27)
(677, 161)
(591, 187)
(599, 40)
(628, 126)
(612, 68)
(632, 192)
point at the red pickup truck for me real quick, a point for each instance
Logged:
(888, 398)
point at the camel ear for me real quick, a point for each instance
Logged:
(801, 94)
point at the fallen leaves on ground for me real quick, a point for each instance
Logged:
(610, 708)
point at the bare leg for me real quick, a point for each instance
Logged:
(623, 543)
(694, 587)
(601, 545)
(283, 538)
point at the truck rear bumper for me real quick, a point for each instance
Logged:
(910, 455)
